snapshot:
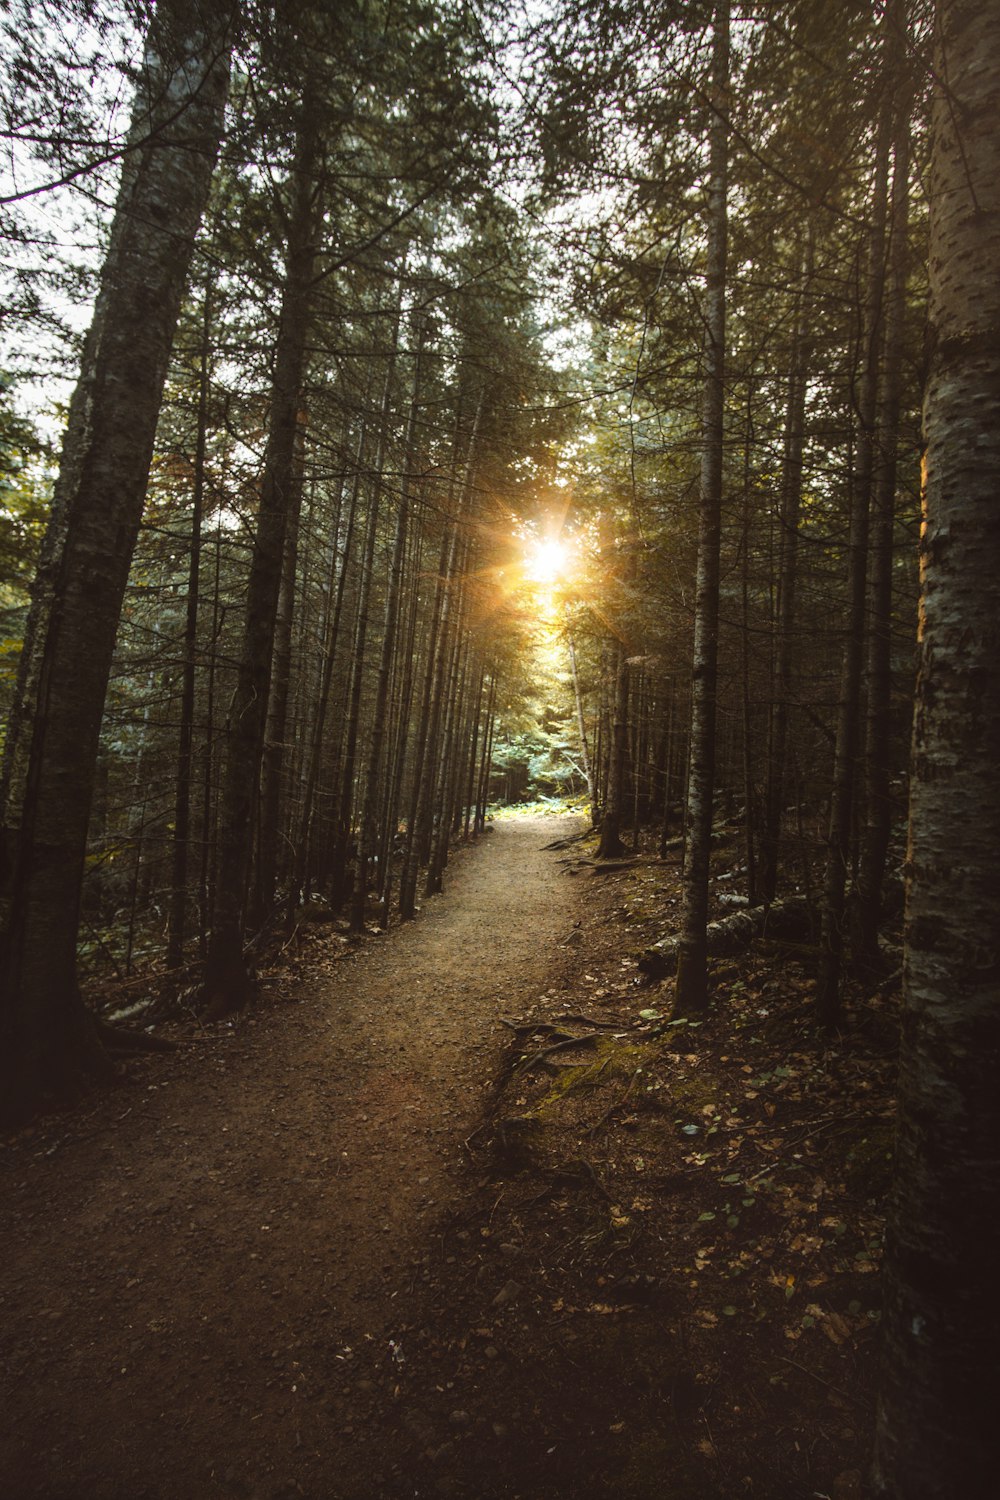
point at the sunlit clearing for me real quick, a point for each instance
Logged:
(547, 560)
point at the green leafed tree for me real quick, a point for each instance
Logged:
(48, 1040)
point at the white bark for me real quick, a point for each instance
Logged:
(940, 1391)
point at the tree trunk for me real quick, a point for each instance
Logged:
(47, 1040)
(610, 845)
(878, 723)
(345, 793)
(485, 765)
(177, 920)
(937, 1414)
(424, 771)
(692, 977)
(788, 553)
(394, 791)
(437, 854)
(303, 861)
(366, 821)
(581, 728)
(272, 760)
(226, 979)
(476, 724)
(834, 901)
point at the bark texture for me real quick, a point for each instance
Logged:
(46, 1039)
(878, 724)
(692, 979)
(842, 800)
(226, 979)
(938, 1404)
(611, 846)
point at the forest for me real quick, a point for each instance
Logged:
(431, 425)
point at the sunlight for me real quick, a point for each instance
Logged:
(547, 560)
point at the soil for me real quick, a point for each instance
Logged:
(459, 1212)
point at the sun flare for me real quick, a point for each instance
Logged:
(547, 560)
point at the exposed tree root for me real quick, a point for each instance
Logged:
(616, 1106)
(569, 840)
(577, 1174)
(572, 1018)
(539, 1058)
(125, 1039)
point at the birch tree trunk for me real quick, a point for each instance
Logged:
(47, 1041)
(692, 977)
(938, 1404)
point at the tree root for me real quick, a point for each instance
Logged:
(577, 1173)
(539, 1058)
(125, 1039)
(571, 1018)
(614, 1108)
(569, 840)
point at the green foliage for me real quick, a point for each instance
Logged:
(24, 506)
(534, 763)
(24, 499)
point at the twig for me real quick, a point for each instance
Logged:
(865, 1405)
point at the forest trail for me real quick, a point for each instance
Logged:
(192, 1266)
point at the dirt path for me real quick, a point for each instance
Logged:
(193, 1269)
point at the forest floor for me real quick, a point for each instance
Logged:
(456, 1212)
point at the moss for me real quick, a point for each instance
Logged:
(695, 1092)
(612, 1059)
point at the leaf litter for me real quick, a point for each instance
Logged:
(650, 1270)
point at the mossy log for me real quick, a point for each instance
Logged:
(790, 919)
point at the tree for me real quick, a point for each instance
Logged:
(51, 750)
(226, 980)
(692, 979)
(937, 1411)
